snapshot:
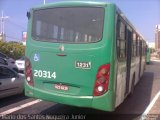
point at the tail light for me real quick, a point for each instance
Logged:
(28, 72)
(102, 80)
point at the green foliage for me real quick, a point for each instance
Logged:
(12, 49)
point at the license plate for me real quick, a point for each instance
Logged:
(61, 87)
(83, 65)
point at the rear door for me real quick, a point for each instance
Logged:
(140, 57)
(129, 55)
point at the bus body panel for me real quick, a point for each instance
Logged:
(102, 102)
(80, 81)
(56, 64)
(135, 62)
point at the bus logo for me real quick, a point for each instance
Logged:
(61, 48)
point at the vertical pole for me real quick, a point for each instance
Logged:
(2, 26)
(1, 23)
(44, 1)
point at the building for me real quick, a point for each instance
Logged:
(151, 45)
(157, 38)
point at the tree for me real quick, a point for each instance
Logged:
(12, 49)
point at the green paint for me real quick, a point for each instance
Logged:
(80, 81)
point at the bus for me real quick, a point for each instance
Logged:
(148, 55)
(84, 54)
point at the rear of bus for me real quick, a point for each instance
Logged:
(70, 54)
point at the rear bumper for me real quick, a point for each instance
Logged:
(104, 102)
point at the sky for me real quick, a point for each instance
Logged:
(143, 14)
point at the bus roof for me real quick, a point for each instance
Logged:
(72, 3)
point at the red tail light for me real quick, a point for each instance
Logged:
(28, 72)
(102, 80)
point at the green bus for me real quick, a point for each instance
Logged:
(84, 54)
(148, 55)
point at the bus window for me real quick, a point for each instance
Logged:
(134, 45)
(81, 21)
(121, 42)
(137, 45)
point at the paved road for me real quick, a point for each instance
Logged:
(132, 108)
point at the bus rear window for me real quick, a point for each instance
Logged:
(68, 25)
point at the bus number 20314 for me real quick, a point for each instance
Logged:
(44, 74)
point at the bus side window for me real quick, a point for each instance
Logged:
(137, 45)
(121, 41)
(134, 45)
(142, 47)
(117, 37)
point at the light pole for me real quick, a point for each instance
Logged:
(2, 24)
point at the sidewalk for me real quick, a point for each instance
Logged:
(155, 59)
